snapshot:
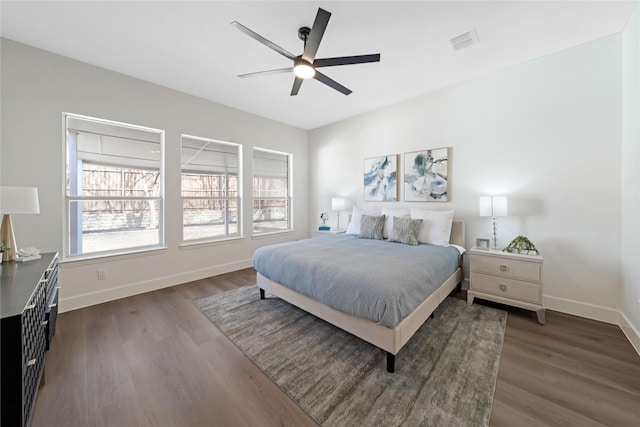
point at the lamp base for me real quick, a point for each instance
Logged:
(8, 238)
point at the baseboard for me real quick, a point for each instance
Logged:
(595, 312)
(91, 298)
(633, 335)
(582, 309)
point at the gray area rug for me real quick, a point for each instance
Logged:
(445, 375)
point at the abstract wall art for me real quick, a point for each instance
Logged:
(380, 179)
(426, 175)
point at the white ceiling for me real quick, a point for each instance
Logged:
(191, 46)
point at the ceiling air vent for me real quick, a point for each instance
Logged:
(464, 40)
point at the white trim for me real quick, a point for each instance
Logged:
(105, 295)
(582, 309)
(632, 334)
(596, 312)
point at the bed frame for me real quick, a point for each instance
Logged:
(390, 340)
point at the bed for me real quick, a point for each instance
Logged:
(378, 323)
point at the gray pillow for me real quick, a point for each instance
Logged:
(405, 231)
(371, 227)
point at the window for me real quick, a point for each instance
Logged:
(210, 196)
(271, 191)
(114, 187)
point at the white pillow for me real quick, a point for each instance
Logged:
(356, 218)
(388, 220)
(436, 226)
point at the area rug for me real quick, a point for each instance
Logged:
(445, 375)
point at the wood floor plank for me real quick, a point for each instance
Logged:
(155, 360)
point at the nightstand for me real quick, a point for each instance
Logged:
(316, 233)
(507, 278)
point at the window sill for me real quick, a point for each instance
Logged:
(87, 259)
(195, 244)
(271, 234)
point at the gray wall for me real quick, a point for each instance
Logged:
(546, 133)
(38, 86)
(630, 296)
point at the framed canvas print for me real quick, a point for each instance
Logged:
(380, 179)
(426, 175)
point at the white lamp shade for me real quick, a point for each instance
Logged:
(19, 200)
(493, 206)
(485, 206)
(499, 205)
(338, 204)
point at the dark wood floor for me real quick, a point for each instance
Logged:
(156, 360)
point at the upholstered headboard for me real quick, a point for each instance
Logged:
(457, 232)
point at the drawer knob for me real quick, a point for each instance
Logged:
(503, 288)
(503, 268)
(53, 305)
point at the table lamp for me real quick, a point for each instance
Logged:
(493, 206)
(15, 200)
(339, 204)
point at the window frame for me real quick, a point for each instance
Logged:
(288, 199)
(226, 199)
(71, 230)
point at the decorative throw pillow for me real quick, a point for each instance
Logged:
(405, 231)
(371, 227)
(436, 228)
(356, 218)
(389, 215)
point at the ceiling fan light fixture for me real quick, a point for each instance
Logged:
(303, 69)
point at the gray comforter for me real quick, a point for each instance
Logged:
(372, 279)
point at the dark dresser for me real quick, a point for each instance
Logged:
(29, 307)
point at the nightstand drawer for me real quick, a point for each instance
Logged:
(508, 288)
(497, 266)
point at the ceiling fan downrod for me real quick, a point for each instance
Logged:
(303, 34)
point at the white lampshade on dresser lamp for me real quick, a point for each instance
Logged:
(493, 206)
(339, 204)
(15, 201)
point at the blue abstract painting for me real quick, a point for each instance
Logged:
(380, 179)
(426, 176)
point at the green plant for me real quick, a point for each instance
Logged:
(521, 244)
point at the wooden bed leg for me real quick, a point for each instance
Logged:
(459, 287)
(261, 293)
(391, 362)
(431, 315)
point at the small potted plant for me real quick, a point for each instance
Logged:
(324, 217)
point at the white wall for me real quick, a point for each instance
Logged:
(38, 86)
(631, 180)
(545, 133)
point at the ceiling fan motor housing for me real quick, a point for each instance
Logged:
(303, 33)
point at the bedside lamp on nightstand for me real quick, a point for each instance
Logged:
(339, 204)
(493, 206)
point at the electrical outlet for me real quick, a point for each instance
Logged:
(102, 273)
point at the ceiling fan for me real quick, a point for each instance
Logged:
(305, 65)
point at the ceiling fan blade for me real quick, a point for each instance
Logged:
(266, 73)
(264, 41)
(315, 37)
(296, 86)
(331, 83)
(346, 60)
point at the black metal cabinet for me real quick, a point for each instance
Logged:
(28, 307)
